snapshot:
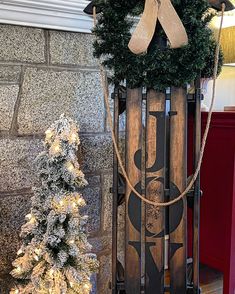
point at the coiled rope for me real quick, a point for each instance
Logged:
(204, 140)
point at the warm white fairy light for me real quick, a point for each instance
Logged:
(28, 216)
(18, 269)
(70, 166)
(48, 134)
(51, 272)
(72, 241)
(61, 202)
(17, 291)
(57, 148)
(87, 287)
(81, 201)
(20, 251)
(38, 251)
(73, 137)
(36, 257)
(31, 219)
(74, 204)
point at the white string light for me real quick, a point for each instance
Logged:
(57, 148)
(70, 167)
(48, 134)
(80, 201)
(19, 252)
(72, 241)
(18, 269)
(38, 251)
(73, 138)
(87, 287)
(28, 216)
(36, 257)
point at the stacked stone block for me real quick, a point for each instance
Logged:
(44, 73)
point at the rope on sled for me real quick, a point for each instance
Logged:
(204, 140)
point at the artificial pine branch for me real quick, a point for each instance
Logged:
(159, 68)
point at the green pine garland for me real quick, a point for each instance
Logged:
(159, 68)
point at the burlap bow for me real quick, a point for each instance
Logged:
(164, 11)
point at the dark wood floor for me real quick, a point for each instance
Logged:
(211, 281)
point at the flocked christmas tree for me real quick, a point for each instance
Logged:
(55, 255)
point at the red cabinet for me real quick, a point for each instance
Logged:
(217, 235)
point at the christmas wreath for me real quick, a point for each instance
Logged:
(159, 68)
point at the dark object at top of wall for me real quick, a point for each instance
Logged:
(217, 4)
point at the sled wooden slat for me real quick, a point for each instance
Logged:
(155, 170)
(133, 203)
(178, 178)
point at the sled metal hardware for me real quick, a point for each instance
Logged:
(190, 193)
(121, 287)
(191, 290)
(198, 93)
(122, 96)
(121, 190)
(217, 4)
(89, 8)
(172, 113)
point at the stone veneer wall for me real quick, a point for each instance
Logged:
(44, 73)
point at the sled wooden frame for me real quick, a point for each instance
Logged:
(156, 165)
(164, 170)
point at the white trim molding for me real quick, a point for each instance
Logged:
(64, 15)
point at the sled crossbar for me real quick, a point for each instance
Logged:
(122, 96)
(121, 287)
